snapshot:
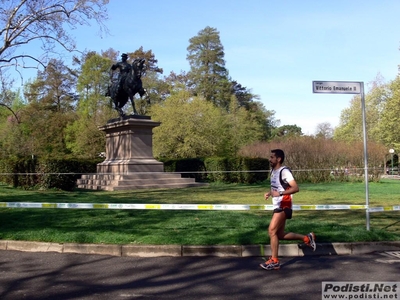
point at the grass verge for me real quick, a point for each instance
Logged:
(198, 227)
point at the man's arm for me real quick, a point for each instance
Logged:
(294, 188)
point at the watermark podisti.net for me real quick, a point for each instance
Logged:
(360, 290)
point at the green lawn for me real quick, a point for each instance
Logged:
(198, 227)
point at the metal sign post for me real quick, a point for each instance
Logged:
(346, 87)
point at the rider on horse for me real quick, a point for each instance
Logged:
(129, 83)
(124, 69)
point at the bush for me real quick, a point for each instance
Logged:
(55, 173)
(186, 166)
(19, 172)
(221, 169)
(32, 173)
(252, 164)
(217, 169)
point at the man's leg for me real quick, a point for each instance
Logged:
(308, 239)
(291, 236)
(276, 227)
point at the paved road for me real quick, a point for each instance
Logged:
(45, 276)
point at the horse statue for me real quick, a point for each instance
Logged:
(128, 85)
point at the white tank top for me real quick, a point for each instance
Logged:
(287, 176)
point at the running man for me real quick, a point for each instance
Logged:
(283, 186)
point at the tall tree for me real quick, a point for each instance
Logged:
(7, 97)
(151, 61)
(324, 130)
(351, 123)
(12, 137)
(286, 131)
(50, 108)
(53, 87)
(190, 127)
(43, 24)
(93, 108)
(389, 124)
(243, 129)
(207, 67)
(44, 131)
(244, 96)
(208, 77)
(93, 83)
(176, 82)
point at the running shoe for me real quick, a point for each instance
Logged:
(271, 264)
(311, 241)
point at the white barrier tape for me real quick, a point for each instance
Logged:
(188, 206)
(135, 206)
(385, 208)
(328, 207)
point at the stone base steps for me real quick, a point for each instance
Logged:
(152, 180)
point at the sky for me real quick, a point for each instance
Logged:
(273, 48)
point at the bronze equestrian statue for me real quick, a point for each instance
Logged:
(129, 83)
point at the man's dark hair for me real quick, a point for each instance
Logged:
(279, 153)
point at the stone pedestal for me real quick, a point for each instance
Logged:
(129, 162)
(129, 146)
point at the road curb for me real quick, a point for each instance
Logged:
(288, 250)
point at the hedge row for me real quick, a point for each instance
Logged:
(47, 174)
(63, 173)
(219, 169)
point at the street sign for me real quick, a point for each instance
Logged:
(345, 87)
(336, 87)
